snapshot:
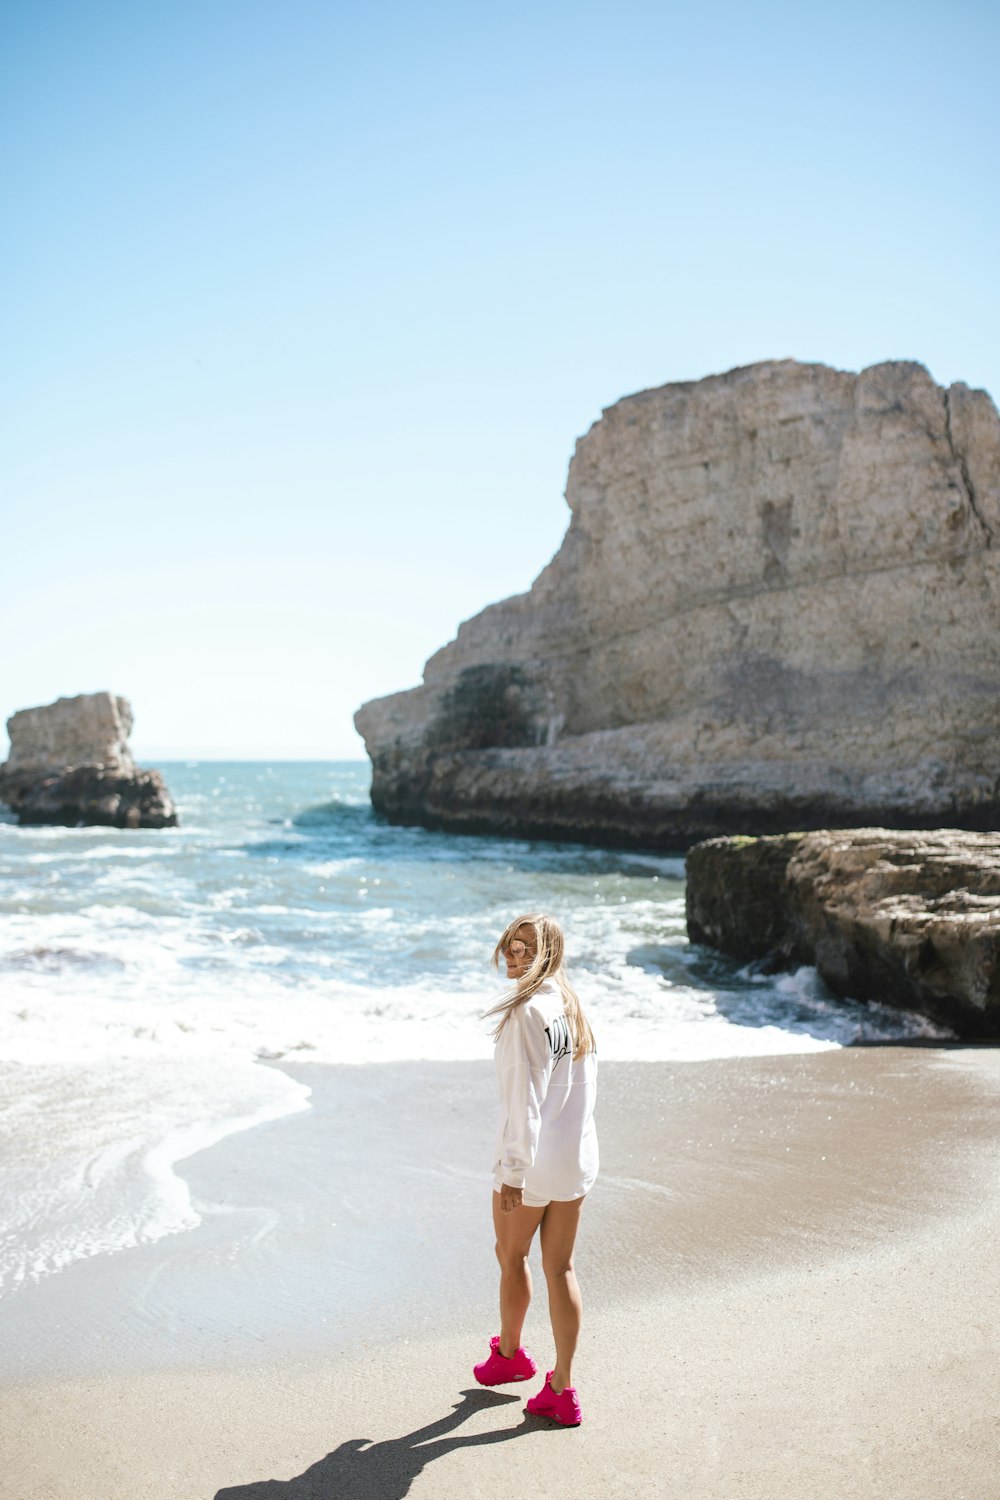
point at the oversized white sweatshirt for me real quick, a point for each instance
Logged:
(546, 1141)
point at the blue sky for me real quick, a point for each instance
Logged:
(304, 305)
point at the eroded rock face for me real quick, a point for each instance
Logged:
(70, 764)
(908, 918)
(775, 607)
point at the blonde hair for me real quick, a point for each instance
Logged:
(546, 964)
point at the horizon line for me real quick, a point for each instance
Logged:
(216, 755)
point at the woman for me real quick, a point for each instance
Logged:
(545, 1158)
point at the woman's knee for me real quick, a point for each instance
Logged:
(557, 1267)
(511, 1258)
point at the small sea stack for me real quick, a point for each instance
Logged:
(70, 765)
(911, 919)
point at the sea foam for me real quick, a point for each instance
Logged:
(149, 985)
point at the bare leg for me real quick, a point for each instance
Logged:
(559, 1226)
(515, 1232)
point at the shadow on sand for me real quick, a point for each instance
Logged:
(386, 1470)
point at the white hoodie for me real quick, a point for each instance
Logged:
(546, 1141)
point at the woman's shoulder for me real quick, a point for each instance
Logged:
(546, 1001)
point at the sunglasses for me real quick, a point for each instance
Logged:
(515, 949)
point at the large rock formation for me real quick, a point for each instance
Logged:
(911, 919)
(70, 764)
(775, 607)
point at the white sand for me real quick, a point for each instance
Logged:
(791, 1279)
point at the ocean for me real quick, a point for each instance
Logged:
(150, 980)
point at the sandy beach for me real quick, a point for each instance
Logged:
(788, 1266)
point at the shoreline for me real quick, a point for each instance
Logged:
(778, 1251)
(111, 1138)
(732, 1169)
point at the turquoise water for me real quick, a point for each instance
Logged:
(146, 976)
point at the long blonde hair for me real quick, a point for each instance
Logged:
(546, 964)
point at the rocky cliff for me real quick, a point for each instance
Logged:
(911, 919)
(70, 764)
(775, 607)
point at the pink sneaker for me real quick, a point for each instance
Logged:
(499, 1370)
(564, 1408)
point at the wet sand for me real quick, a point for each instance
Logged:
(788, 1265)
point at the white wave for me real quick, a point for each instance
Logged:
(148, 992)
(87, 1158)
(103, 851)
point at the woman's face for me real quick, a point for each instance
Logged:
(519, 953)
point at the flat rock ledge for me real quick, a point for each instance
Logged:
(70, 765)
(911, 919)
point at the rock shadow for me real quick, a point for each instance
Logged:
(761, 993)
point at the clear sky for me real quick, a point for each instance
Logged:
(304, 305)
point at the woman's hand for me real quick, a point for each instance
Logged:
(510, 1198)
